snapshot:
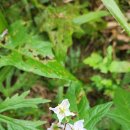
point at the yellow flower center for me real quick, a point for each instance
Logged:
(62, 110)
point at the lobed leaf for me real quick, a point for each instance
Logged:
(29, 53)
(14, 124)
(107, 64)
(19, 101)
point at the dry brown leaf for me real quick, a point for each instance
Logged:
(122, 37)
(67, 1)
(124, 47)
(112, 24)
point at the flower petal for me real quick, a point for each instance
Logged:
(79, 124)
(68, 127)
(62, 110)
(68, 113)
(55, 110)
(65, 103)
(60, 117)
(55, 127)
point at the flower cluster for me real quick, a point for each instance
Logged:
(62, 111)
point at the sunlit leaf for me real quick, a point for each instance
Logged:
(91, 16)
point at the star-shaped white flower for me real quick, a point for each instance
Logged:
(55, 127)
(77, 126)
(62, 110)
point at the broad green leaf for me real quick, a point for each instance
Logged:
(78, 100)
(47, 68)
(17, 101)
(92, 16)
(121, 112)
(80, 105)
(123, 97)
(14, 124)
(120, 66)
(116, 116)
(72, 93)
(116, 12)
(30, 53)
(96, 114)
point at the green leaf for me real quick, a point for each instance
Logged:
(24, 80)
(4, 72)
(120, 66)
(1, 127)
(96, 114)
(3, 22)
(17, 101)
(61, 30)
(30, 53)
(78, 100)
(91, 16)
(47, 68)
(120, 119)
(80, 105)
(34, 44)
(94, 60)
(123, 97)
(14, 124)
(121, 112)
(116, 12)
(107, 64)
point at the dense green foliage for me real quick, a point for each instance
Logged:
(52, 50)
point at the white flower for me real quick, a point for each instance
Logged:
(68, 127)
(62, 110)
(55, 127)
(77, 126)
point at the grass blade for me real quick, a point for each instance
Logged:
(117, 14)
